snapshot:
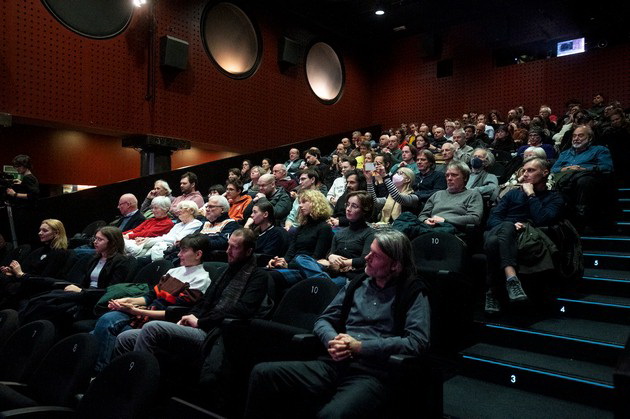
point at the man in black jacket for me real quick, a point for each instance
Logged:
(239, 292)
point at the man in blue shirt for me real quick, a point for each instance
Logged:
(373, 317)
(582, 175)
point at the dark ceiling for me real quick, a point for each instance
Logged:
(354, 22)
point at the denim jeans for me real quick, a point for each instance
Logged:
(107, 328)
(310, 268)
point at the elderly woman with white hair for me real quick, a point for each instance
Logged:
(155, 246)
(160, 188)
(157, 226)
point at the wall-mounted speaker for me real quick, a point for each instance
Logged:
(289, 52)
(173, 52)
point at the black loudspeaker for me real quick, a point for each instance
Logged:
(173, 52)
(289, 52)
(444, 68)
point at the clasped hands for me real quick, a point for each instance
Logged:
(343, 346)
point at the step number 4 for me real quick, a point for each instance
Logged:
(562, 310)
(512, 378)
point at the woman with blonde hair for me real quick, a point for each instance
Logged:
(400, 193)
(47, 260)
(313, 236)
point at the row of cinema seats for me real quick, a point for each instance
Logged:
(42, 377)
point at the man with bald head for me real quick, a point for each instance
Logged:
(283, 180)
(278, 197)
(130, 216)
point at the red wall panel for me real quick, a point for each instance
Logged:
(56, 75)
(409, 90)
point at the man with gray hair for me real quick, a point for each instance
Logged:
(283, 180)
(359, 336)
(462, 150)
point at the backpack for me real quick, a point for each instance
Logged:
(570, 262)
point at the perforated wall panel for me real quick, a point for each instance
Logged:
(410, 91)
(57, 75)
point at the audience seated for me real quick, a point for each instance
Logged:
(503, 140)
(355, 181)
(486, 183)
(294, 164)
(156, 246)
(400, 196)
(283, 180)
(159, 225)
(450, 210)
(532, 204)
(270, 238)
(309, 180)
(348, 384)
(188, 186)
(182, 286)
(277, 196)
(18, 279)
(312, 237)
(237, 200)
(448, 154)
(408, 156)
(428, 181)
(535, 140)
(246, 167)
(109, 266)
(240, 292)
(160, 188)
(339, 185)
(219, 224)
(251, 187)
(582, 174)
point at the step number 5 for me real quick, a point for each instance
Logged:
(512, 378)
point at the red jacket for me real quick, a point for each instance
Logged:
(153, 227)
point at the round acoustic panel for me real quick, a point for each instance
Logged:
(324, 72)
(98, 19)
(231, 40)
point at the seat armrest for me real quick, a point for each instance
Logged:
(44, 412)
(174, 313)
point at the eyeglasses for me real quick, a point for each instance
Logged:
(213, 206)
(98, 240)
(353, 206)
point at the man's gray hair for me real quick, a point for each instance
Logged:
(163, 202)
(397, 247)
(462, 167)
(221, 201)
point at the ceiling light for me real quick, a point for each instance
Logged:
(379, 10)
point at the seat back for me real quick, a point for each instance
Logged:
(65, 370)
(5, 253)
(304, 302)
(18, 253)
(438, 251)
(150, 274)
(8, 324)
(214, 269)
(71, 259)
(126, 388)
(24, 350)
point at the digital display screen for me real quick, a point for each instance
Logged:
(574, 46)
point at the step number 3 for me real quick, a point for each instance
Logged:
(512, 378)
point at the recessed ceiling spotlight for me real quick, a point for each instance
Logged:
(400, 28)
(379, 10)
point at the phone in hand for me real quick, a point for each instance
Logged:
(369, 167)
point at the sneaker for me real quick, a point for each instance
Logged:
(492, 304)
(515, 290)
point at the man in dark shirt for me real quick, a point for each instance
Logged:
(360, 335)
(239, 292)
(277, 196)
(531, 203)
(428, 180)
